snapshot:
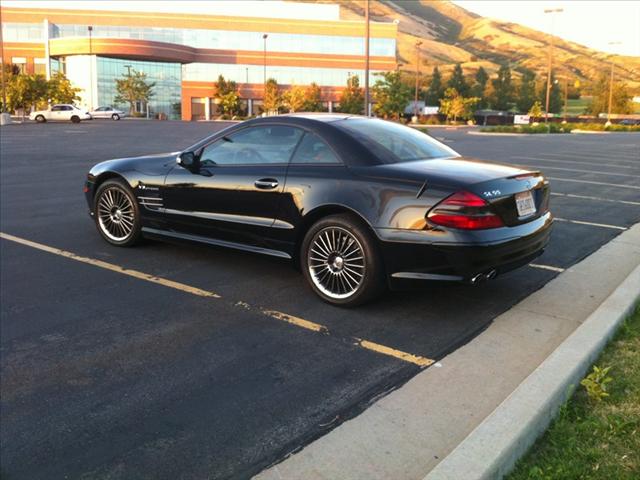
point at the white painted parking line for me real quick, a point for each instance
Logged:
(590, 182)
(561, 161)
(273, 314)
(599, 199)
(547, 267)
(588, 156)
(596, 172)
(591, 224)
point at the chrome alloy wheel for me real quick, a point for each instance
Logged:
(336, 262)
(115, 214)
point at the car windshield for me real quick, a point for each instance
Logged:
(394, 143)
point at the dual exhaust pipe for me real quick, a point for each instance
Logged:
(483, 277)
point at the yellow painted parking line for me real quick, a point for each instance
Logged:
(299, 322)
(407, 357)
(274, 314)
(112, 267)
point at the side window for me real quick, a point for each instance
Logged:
(313, 149)
(56, 108)
(67, 108)
(253, 146)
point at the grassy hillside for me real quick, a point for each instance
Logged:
(451, 34)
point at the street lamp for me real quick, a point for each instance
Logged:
(546, 109)
(366, 59)
(415, 101)
(264, 61)
(90, 29)
(611, 87)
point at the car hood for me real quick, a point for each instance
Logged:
(454, 172)
(158, 164)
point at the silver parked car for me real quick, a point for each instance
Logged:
(108, 112)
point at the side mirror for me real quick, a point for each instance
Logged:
(187, 160)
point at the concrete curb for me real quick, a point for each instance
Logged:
(492, 449)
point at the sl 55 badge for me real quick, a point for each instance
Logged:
(492, 193)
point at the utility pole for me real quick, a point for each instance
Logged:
(550, 62)
(611, 88)
(366, 59)
(415, 101)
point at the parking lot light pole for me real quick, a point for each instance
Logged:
(415, 101)
(366, 59)
(90, 29)
(264, 64)
(550, 62)
(611, 88)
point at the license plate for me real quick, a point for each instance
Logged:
(525, 204)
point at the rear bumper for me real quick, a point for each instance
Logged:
(457, 255)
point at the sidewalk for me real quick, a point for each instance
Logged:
(407, 433)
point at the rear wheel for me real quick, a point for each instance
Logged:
(40, 119)
(117, 214)
(115, 116)
(341, 262)
(75, 119)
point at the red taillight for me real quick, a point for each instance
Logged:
(466, 211)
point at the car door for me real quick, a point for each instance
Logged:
(56, 112)
(100, 112)
(235, 192)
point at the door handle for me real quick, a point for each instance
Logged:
(266, 183)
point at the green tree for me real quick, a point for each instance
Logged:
(294, 99)
(458, 81)
(556, 97)
(536, 110)
(312, 99)
(134, 88)
(26, 91)
(455, 106)
(352, 98)
(272, 100)
(227, 95)
(391, 95)
(60, 89)
(436, 90)
(479, 87)
(621, 101)
(503, 89)
(526, 91)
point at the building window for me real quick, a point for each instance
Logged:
(166, 92)
(21, 63)
(40, 66)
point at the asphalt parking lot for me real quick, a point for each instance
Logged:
(202, 362)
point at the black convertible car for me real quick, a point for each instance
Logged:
(355, 202)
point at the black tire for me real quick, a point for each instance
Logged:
(75, 119)
(351, 282)
(116, 224)
(40, 119)
(115, 116)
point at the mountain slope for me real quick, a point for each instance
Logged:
(451, 34)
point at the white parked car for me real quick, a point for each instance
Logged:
(61, 111)
(108, 112)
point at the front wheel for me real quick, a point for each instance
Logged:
(341, 261)
(117, 214)
(115, 116)
(40, 119)
(75, 119)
